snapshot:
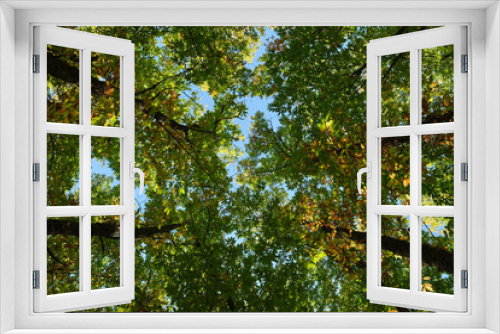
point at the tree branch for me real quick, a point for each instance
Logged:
(104, 230)
(431, 255)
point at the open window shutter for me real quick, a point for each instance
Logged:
(416, 204)
(84, 161)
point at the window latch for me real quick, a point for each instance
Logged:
(368, 171)
(134, 170)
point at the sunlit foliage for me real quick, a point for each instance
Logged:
(287, 233)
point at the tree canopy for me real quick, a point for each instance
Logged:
(266, 223)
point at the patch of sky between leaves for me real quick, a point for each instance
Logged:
(254, 105)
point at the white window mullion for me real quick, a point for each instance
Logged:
(85, 255)
(86, 137)
(434, 128)
(86, 185)
(421, 129)
(437, 211)
(416, 104)
(97, 131)
(77, 130)
(414, 170)
(398, 131)
(104, 131)
(406, 210)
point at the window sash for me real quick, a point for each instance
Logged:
(413, 42)
(86, 297)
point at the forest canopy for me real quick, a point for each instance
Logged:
(250, 139)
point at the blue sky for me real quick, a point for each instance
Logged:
(254, 104)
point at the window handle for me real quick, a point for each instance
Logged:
(133, 171)
(368, 171)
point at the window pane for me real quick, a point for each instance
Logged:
(105, 89)
(105, 252)
(63, 85)
(437, 169)
(437, 254)
(437, 85)
(63, 170)
(105, 171)
(395, 252)
(63, 254)
(395, 170)
(395, 86)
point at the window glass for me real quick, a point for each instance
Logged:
(105, 252)
(105, 87)
(437, 169)
(63, 255)
(63, 170)
(395, 84)
(105, 171)
(437, 254)
(395, 170)
(437, 84)
(395, 252)
(63, 85)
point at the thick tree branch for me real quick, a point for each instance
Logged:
(431, 256)
(60, 69)
(104, 230)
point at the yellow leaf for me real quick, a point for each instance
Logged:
(204, 86)
(426, 278)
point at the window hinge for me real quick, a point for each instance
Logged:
(465, 63)
(36, 172)
(464, 171)
(36, 63)
(465, 279)
(36, 279)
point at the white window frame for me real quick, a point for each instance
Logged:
(483, 20)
